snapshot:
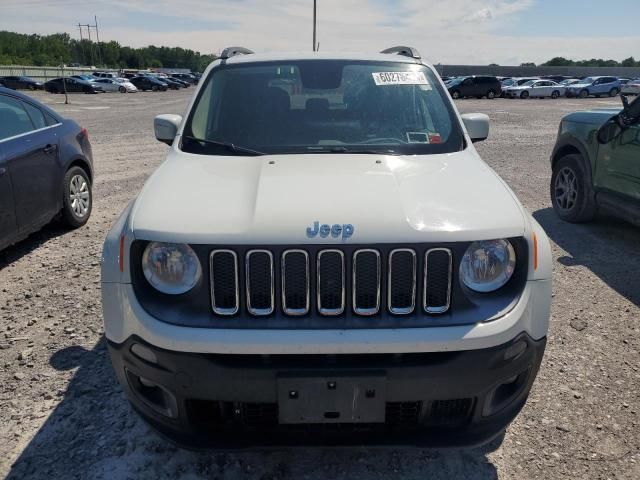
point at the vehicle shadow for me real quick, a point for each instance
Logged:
(608, 247)
(93, 433)
(15, 252)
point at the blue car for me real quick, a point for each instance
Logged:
(595, 86)
(46, 168)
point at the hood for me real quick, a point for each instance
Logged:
(273, 199)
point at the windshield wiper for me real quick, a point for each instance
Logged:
(366, 151)
(228, 146)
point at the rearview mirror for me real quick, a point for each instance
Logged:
(609, 132)
(166, 127)
(477, 125)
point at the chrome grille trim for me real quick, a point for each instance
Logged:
(330, 312)
(354, 286)
(224, 311)
(295, 312)
(259, 311)
(436, 310)
(400, 310)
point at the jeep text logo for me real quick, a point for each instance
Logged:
(346, 231)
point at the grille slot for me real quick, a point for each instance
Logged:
(402, 281)
(295, 282)
(331, 282)
(437, 280)
(260, 288)
(224, 282)
(450, 412)
(366, 282)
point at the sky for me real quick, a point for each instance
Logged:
(507, 32)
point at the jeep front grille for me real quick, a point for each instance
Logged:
(330, 282)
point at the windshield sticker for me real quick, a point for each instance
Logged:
(417, 137)
(400, 78)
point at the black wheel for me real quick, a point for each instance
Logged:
(524, 95)
(455, 94)
(571, 190)
(555, 94)
(584, 93)
(614, 92)
(78, 200)
(122, 90)
(491, 94)
(154, 89)
(31, 87)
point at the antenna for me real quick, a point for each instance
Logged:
(315, 28)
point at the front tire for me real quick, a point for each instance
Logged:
(555, 94)
(524, 95)
(491, 94)
(122, 90)
(584, 93)
(78, 198)
(455, 94)
(571, 190)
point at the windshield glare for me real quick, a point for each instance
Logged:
(323, 106)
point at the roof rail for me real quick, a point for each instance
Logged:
(405, 51)
(233, 51)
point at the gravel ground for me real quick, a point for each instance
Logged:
(62, 414)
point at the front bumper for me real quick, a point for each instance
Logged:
(227, 401)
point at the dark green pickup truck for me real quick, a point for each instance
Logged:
(596, 164)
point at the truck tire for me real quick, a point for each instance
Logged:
(571, 190)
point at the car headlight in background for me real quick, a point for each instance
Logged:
(171, 268)
(488, 265)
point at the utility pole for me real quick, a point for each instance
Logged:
(315, 12)
(98, 39)
(81, 44)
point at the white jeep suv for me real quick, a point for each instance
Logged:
(324, 258)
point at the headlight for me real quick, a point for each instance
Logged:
(171, 268)
(488, 265)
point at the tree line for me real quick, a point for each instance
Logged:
(60, 48)
(594, 62)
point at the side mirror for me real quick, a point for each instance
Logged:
(609, 132)
(166, 127)
(477, 125)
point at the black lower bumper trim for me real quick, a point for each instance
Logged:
(229, 401)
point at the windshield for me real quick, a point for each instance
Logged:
(508, 82)
(588, 80)
(322, 106)
(528, 84)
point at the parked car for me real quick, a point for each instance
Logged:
(167, 81)
(19, 83)
(86, 78)
(516, 81)
(116, 85)
(105, 74)
(569, 81)
(624, 81)
(45, 168)
(535, 89)
(555, 78)
(589, 175)
(423, 282)
(144, 83)
(72, 85)
(182, 83)
(595, 86)
(631, 88)
(475, 86)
